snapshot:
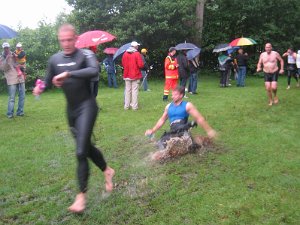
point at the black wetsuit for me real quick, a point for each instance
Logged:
(82, 108)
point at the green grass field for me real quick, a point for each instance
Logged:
(251, 177)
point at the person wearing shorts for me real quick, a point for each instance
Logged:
(271, 77)
(268, 62)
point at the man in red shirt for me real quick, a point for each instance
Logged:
(132, 63)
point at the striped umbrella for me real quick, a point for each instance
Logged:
(242, 42)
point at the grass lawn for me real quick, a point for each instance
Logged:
(252, 177)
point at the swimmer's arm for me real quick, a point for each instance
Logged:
(281, 63)
(90, 71)
(159, 123)
(191, 109)
(258, 68)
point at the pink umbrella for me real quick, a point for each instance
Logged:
(110, 51)
(93, 38)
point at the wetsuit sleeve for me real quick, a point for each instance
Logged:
(49, 75)
(91, 69)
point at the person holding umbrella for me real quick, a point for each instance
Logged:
(193, 68)
(225, 63)
(132, 63)
(193, 57)
(241, 60)
(110, 68)
(183, 69)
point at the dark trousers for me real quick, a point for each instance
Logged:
(183, 81)
(223, 78)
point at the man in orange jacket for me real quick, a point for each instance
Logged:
(171, 73)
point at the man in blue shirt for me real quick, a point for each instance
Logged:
(178, 112)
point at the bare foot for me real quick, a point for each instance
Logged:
(270, 103)
(108, 174)
(276, 100)
(156, 156)
(79, 204)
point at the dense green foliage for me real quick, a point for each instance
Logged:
(159, 24)
(250, 177)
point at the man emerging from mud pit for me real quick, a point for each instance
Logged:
(178, 112)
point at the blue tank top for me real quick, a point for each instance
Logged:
(177, 112)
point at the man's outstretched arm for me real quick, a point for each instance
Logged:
(191, 109)
(159, 123)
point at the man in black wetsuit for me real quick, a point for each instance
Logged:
(72, 70)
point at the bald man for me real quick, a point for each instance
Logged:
(268, 62)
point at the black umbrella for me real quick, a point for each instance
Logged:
(222, 48)
(6, 32)
(186, 46)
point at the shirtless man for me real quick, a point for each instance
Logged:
(269, 60)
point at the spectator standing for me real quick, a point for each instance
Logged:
(241, 60)
(171, 72)
(225, 63)
(110, 68)
(194, 68)
(291, 66)
(15, 83)
(145, 70)
(183, 69)
(132, 63)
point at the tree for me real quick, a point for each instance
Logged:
(199, 20)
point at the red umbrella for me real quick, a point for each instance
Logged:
(93, 38)
(111, 51)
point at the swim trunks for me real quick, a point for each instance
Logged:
(270, 77)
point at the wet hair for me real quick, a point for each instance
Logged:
(268, 44)
(67, 27)
(180, 89)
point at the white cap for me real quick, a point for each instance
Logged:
(5, 45)
(134, 44)
(19, 45)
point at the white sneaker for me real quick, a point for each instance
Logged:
(185, 96)
(288, 87)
